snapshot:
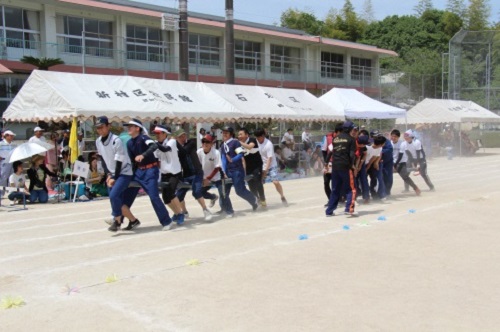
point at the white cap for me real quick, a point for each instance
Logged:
(38, 129)
(8, 132)
(409, 133)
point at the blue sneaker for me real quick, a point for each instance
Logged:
(175, 217)
(180, 219)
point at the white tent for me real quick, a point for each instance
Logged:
(57, 96)
(357, 105)
(448, 111)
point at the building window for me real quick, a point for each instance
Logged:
(332, 65)
(20, 28)
(98, 37)
(9, 87)
(144, 43)
(285, 59)
(361, 69)
(247, 55)
(204, 50)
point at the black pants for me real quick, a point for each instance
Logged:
(405, 175)
(425, 176)
(168, 192)
(255, 184)
(327, 180)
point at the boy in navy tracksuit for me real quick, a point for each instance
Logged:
(387, 166)
(141, 150)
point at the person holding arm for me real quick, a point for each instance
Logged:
(400, 160)
(344, 155)
(269, 165)
(253, 165)
(141, 149)
(416, 155)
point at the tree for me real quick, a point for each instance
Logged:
(42, 63)
(422, 6)
(368, 13)
(305, 21)
(478, 13)
(345, 25)
(456, 7)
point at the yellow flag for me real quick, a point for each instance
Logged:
(73, 141)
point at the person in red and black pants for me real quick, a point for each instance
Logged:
(344, 155)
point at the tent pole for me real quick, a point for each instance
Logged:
(460, 137)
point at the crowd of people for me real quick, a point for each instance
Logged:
(360, 165)
(357, 165)
(175, 159)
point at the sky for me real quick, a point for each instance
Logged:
(269, 11)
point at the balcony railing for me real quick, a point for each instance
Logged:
(291, 70)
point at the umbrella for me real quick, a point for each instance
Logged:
(46, 145)
(25, 150)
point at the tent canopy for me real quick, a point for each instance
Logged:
(60, 96)
(357, 105)
(448, 111)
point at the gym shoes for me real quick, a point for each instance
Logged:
(213, 201)
(132, 224)
(111, 220)
(168, 227)
(115, 226)
(186, 214)
(255, 206)
(352, 214)
(175, 217)
(330, 214)
(208, 215)
(180, 219)
(229, 215)
(263, 204)
(283, 200)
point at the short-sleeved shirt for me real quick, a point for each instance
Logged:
(5, 149)
(287, 138)
(111, 151)
(413, 147)
(306, 137)
(19, 181)
(253, 159)
(266, 150)
(372, 152)
(169, 161)
(402, 149)
(209, 162)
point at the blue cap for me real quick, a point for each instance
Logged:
(102, 120)
(348, 125)
(363, 139)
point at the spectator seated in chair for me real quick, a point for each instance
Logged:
(96, 180)
(38, 174)
(18, 180)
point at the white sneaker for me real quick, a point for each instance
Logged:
(230, 215)
(169, 227)
(109, 221)
(213, 201)
(208, 215)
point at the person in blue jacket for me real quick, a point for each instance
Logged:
(233, 165)
(388, 166)
(141, 150)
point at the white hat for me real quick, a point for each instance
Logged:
(38, 129)
(8, 132)
(409, 133)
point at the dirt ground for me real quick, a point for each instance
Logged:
(436, 269)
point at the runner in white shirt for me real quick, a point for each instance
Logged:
(117, 165)
(269, 167)
(211, 162)
(416, 156)
(170, 169)
(401, 158)
(372, 162)
(6, 147)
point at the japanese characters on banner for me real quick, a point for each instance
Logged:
(59, 96)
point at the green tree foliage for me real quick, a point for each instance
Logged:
(456, 7)
(422, 6)
(478, 13)
(42, 63)
(306, 21)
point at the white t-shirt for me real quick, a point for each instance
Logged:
(266, 150)
(287, 153)
(18, 180)
(209, 162)
(306, 137)
(169, 161)
(111, 151)
(288, 138)
(371, 152)
(402, 149)
(35, 139)
(413, 147)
